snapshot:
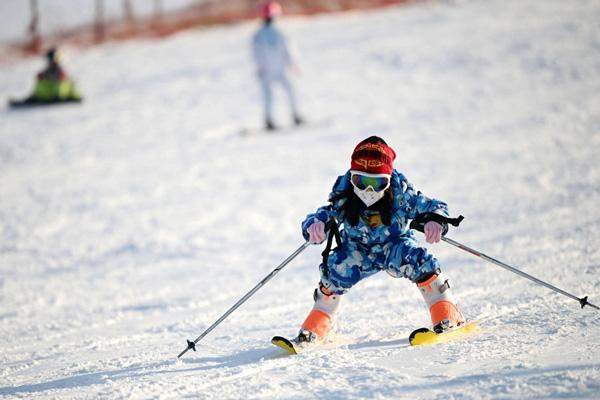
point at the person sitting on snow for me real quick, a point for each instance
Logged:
(374, 203)
(273, 60)
(53, 84)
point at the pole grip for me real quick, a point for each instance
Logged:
(420, 220)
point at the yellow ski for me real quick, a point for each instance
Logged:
(285, 344)
(424, 336)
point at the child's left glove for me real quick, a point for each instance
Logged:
(433, 232)
(316, 232)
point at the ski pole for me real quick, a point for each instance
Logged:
(192, 345)
(583, 301)
(419, 223)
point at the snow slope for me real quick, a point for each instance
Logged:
(132, 222)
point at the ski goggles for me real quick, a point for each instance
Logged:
(362, 180)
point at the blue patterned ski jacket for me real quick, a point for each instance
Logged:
(407, 203)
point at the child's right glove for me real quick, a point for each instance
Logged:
(316, 232)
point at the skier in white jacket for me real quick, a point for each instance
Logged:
(273, 60)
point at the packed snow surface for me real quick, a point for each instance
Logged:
(132, 222)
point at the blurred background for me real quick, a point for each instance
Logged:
(29, 25)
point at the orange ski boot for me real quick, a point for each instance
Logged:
(321, 318)
(438, 297)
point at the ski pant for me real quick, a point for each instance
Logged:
(351, 263)
(267, 91)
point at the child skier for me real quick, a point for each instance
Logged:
(273, 59)
(374, 203)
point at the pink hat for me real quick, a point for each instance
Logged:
(270, 9)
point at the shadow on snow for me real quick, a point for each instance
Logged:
(152, 369)
(241, 359)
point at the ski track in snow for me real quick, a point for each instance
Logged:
(132, 222)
